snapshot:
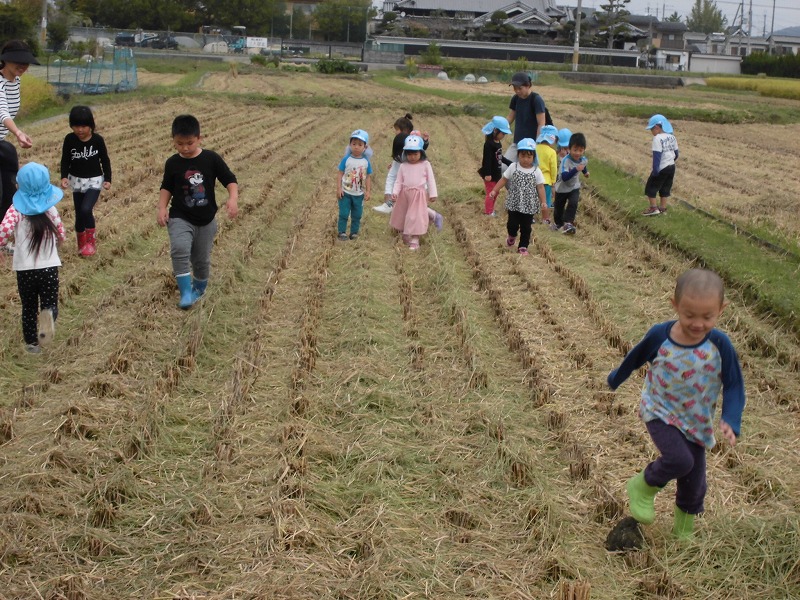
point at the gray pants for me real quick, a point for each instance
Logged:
(190, 247)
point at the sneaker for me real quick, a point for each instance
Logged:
(413, 246)
(662, 210)
(568, 229)
(353, 236)
(554, 227)
(343, 237)
(491, 214)
(651, 211)
(510, 241)
(547, 222)
(523, 251)
(33, 348)
(47, 326)
(385, 208)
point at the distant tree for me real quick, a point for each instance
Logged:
(674, 18)
(706, 17)
(389, 17)
(344, 19)
(14, 24)
(57, 33)
(498, 17)
(614, 19)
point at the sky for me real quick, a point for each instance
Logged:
(787, 12)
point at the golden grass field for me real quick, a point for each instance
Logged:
(352, 420)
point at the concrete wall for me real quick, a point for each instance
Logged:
(715, 63)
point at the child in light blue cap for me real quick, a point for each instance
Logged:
(662, 173)
(354, 184)
(37, 229)
(548, 163)
(493, 160)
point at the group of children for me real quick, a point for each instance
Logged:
(690, 361)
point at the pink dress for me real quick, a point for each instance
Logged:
(410, 212)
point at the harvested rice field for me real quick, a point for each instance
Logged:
(357, 421)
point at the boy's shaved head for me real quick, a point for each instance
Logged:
(700, 282)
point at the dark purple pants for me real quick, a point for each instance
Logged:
(681, 460)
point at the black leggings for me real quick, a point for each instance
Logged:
(521, 222)
(84, 204)
(9, 165)
(36, 287)
(565, 206)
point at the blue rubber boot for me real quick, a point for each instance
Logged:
(185, 288)
(198, 288)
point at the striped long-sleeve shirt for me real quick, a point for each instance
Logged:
(9, 102)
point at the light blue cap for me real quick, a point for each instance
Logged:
(499, 123)
(36, 195)
(526, 144)
(414, 143)
(563, 137)
(547, 134)
(360, 134)
(659, 120)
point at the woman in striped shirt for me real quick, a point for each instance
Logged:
(15, 58)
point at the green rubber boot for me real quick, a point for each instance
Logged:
(683, 528)
(642, 499)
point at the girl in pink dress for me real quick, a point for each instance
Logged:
(410, 213)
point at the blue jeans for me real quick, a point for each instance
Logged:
(681, 460)
(350, 207)
(190, 246)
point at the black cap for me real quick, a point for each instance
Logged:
(520, 78)
(23, 57)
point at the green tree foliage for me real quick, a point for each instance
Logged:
(14, 24)
(706, 17)
(613, 20)
(344, 20)
(786, 65)
(674, 18)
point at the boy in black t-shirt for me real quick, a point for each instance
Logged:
(189, 179)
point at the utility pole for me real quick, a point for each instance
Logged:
(772, 31)
(576, 47)
(43, 35)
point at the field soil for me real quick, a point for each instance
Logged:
(354, 420)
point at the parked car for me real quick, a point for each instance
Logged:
(161, 43)
(125, 39)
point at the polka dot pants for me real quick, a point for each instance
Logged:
(36, 287)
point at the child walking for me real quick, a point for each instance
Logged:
(493, 160)
(86, 168)
(548, 163)
(353, 185)
(37, 229)
(568, 186)
(525, 193)
(414, 187)
(188, 190)
(690, 362)
(665, 153)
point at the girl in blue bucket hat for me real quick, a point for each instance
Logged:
(665, 152)
(37, 229)
(493, 160)
(413, 189)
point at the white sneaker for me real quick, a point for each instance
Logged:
(47, 326)
(385, 208)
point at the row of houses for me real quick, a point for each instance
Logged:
(669, 45)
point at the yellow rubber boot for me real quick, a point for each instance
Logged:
(683, 528)
(642, 498)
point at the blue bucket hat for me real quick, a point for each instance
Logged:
(414, 143)
(548, 134)
(563, 137)
(659, 120)
(36, 195)
(526, 144)
(499, 123)
(360, 134)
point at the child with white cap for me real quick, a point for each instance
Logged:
(37, 229)
(493, 160)
(354, 185)
(414, 187)
(525, 193)
(662, 173)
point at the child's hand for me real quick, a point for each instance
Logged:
(586, 174)
(487, 178)
(367, 196)
(433, 199)
(65, 183)
(580, 166)
(492, 194)
(727, 432)
(394, 197)
(339, 194)
(426, 136)
(106, 185)
(163, 216)
(232, 208)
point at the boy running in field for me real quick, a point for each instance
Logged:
(568, 186)
(190, 217)
(353, 185)
(690, 363)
